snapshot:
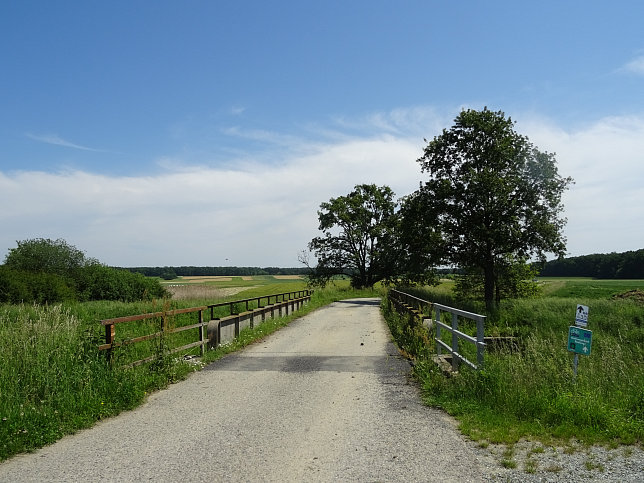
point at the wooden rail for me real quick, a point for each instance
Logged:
(287, 301)
(422, 309)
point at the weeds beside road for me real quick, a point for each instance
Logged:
(528, 390)
(54, 381)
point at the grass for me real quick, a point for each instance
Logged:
(530, 392)
(54, 381)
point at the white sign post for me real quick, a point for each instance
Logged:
(581, 316)
(581, 320)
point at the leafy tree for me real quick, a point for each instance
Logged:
(418, 248)
(48, 256)
(515, 280)
(493, 195)
(358, 231)
(44, 271)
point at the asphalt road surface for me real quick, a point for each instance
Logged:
(325, 399)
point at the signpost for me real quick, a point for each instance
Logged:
(579, 340)
(581, 316)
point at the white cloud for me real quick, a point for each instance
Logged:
(58, 141)
(606, 160)
(259, 214)
(635, 66)
(264, 211)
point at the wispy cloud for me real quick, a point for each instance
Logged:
(262, 210)
(56, 140)
(237, 110)
(635, 66)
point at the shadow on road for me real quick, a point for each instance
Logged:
(372, 302)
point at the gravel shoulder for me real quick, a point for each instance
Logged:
(326, 398)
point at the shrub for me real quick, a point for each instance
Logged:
(49, 271)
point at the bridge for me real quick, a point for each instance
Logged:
(326, 398)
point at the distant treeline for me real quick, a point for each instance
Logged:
(627, 265)
(172, 272)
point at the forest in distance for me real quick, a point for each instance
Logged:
(625, 265)
(170, 273)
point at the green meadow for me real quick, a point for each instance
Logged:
(528, 390)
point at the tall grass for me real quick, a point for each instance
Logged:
(532, 391)
(54, 381)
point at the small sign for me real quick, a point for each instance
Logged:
(579, 340)
(581, 316)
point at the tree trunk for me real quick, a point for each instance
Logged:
(488, 273)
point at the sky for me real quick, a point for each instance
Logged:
(169, 133)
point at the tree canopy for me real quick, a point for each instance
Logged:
(45, 271)
(358, 230)
(493, 197)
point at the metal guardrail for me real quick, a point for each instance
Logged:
(415, 306)
(209, 332)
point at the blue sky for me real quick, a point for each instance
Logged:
(208, 132)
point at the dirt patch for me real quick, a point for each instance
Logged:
(202, 279)
(637, 295)
(247, 278)
(201, 292)
(287, 277)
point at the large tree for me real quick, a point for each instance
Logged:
(492, 196)
(357, 233)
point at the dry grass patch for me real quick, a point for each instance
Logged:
(287, 277)
(202, 279)
(200, 292)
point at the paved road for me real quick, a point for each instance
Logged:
(326, 398)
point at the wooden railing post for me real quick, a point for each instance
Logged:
(202, 349)
(110, 335)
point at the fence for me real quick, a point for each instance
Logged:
(422, 309)
(209, 333)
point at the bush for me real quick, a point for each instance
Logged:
(18, 286)
(99, 282)
(49, 271)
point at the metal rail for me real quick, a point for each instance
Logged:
(415, 306)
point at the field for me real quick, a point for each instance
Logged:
(528, 390)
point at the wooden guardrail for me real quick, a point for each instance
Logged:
(422, 309)
(209, 333)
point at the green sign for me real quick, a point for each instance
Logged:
(579, 340)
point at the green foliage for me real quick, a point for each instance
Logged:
(419, 247)
(49, 256)
(17, 286)
(492, 196)
(50, 271)
(99, 282)
(54, 381)
(626, 265)
(515, 280)
(528, 390)
(358, 230)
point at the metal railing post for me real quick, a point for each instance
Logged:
(438, 332)
(480, 341)
(455, 360)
